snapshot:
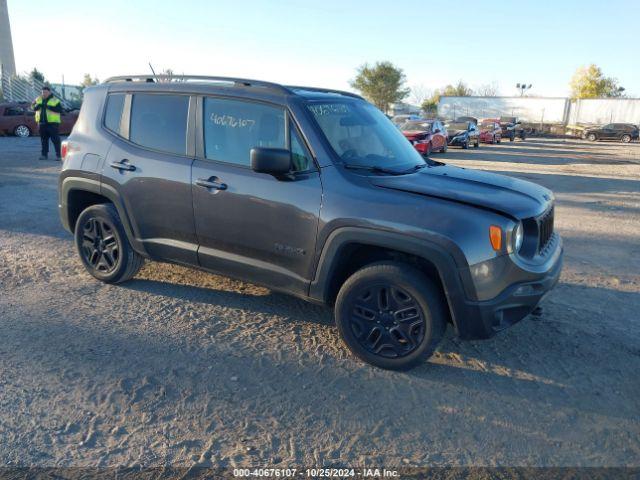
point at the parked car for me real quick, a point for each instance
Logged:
(17, 119)
(426, 135)
(623, 132)
(490, 131)
(400, 119)
(463, 134)
(467, 119)
(511, 128)
(309, 191)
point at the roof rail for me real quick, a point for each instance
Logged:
(324, 90)
(238, 82)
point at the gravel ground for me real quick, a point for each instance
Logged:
(180, 367)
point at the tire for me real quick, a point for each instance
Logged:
(444, 148)
(411, 297)
(103, 246)
(499, 140)
(592, 137)
(465, 145)
(477, 144)
(22, 131)
(493, 140)
(625, 138)
(512, 138)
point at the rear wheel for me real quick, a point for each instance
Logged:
(103, 245)
(22, 131)
(625, 138)
(390, 315)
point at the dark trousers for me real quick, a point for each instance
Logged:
(49, 131)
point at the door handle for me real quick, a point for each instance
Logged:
(211, 183)
(123, 165)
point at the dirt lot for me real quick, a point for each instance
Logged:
(179, 367)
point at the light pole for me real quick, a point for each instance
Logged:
(523, 87)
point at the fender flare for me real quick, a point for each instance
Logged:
(445, 256)
(93, 185)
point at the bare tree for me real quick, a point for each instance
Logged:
(488, 89)
(419, 93)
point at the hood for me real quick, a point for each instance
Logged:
(455, 133)
(509, 196)
(416, 134)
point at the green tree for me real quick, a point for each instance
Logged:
(88, 81)
(590, 82)
(36, 76)
(460, 89)
(382, 84)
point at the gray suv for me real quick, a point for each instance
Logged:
(308, 191)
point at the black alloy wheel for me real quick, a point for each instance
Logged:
(103, 245)
(100, 248)
(386, 320)
(391, 315)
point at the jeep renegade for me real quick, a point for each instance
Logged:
(309, 191)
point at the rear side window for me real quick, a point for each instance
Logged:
(233, 127)
(113, 112)
(159, 122)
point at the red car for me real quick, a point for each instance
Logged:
(490, 131)
(18, 119)
(426, 135)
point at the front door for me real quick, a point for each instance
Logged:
(251, 225)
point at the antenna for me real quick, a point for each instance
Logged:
(153, 71)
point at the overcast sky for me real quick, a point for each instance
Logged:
(321, 43)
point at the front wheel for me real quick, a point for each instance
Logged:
(390, 315)
(477, 144)
(465, 145)
(22, 131)
(103, 245)
(625, 138)
(592, 137)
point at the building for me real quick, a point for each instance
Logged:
(7, 60)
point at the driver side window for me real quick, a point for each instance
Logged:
(299, 157)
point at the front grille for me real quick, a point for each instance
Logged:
(545, 229)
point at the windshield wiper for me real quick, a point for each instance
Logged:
(374, 169)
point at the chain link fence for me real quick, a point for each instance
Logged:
(24, 88)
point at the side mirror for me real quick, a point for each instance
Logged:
(274, 161)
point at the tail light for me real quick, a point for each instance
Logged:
(64, 149)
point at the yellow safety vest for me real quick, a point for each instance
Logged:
(52, 117)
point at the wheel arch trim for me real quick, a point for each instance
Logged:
(448, 260)
(94, 185)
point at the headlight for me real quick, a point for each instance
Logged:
(517, 237)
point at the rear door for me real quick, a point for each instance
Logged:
(149, 166)
(252, 225)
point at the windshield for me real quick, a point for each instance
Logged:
(487, 125)
(456, 126)
(361, 135)
(416, 125)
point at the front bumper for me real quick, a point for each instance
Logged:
(513, 303)
(459, 141)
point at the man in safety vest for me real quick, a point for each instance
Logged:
(48, 109)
